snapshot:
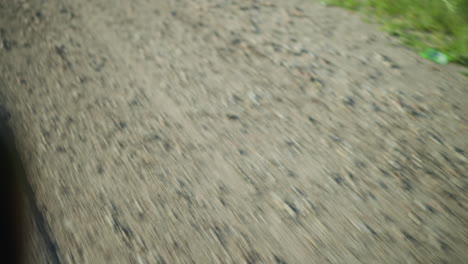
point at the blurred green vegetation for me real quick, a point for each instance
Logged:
(438, 24)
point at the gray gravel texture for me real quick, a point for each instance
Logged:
(210, 131)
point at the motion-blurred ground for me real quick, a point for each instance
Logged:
(231, 132)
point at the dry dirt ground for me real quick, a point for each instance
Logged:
(210, 131)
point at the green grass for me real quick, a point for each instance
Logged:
(439, 24)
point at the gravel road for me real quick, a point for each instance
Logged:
(210, 131)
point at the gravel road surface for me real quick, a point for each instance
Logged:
(210, 131)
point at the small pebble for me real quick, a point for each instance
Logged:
(349, 101)
(232, 117)
(459, 150)
(122, 124)
(313, 120)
